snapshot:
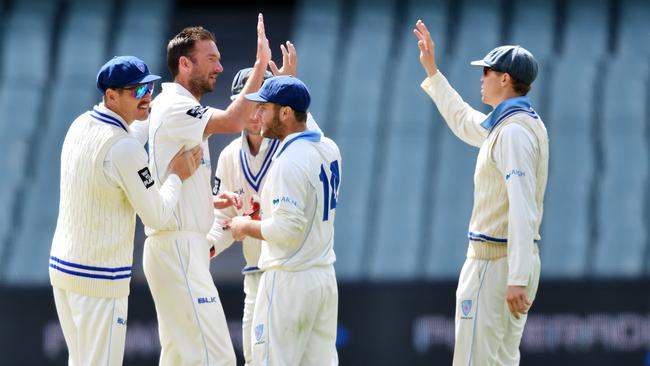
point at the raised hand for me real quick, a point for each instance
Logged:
(289, 61)
(427, 48)
(263, 49)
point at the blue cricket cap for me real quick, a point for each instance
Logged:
(123, 71)
(285, 91)
(515, 60)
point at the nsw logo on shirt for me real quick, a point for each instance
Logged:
(197, 112)
(145, 175)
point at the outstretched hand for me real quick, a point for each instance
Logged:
(427, 48)
(263, 50)
(289, 61)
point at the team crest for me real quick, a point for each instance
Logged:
(466, 308)
(259, 332)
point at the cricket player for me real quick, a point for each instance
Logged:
(104, 183)
(191, 322)
(242, 168)
(295, 317)
(499, 279)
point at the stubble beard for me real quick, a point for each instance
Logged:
(275, 130)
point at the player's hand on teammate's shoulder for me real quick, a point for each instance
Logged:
(427, 48)
(186, 162)
(289, 61)
(226, 199)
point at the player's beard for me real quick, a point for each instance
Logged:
(275, 130)
(201, 84)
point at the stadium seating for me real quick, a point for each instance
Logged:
(407, 183)
(453, 184)
(317, 38)
(623, 199)
(566, 235)
(404, 178)
(354, 126)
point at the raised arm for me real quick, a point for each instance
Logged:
(233, 118)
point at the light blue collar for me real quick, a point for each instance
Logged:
(506, 109)
(314, 136)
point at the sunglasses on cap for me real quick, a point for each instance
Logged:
(140, 91)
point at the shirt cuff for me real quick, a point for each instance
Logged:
(431, 83)
(174, 179)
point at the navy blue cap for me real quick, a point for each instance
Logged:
(123, 71)
(283, 90)
(240, 79)
(515, 60)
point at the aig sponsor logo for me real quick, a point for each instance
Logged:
(259, 333)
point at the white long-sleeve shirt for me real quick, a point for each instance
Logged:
(510, 177)
(299, 203)
(105, 181)
(178, 121)
(239, 171)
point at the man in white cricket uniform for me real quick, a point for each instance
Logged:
(191, 323)
(104, 183)
(295, 317)
(499, 279)
(242, 168)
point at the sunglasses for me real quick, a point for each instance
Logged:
(140, 91)
(486, 70)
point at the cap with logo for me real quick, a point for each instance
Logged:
(240, 79)
(123, 71)
(285, 91)
(514, 60)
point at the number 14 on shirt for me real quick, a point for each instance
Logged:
(330, 187)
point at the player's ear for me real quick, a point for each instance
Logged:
(184, 62)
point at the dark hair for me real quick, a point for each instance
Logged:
(519, 86)
(300, 116)
(183, 45)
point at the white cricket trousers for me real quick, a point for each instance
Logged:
(295, 318)
(191, 323)
(486, 332)
(251, 284)
(94, 328)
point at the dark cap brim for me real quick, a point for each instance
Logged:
(146, 79)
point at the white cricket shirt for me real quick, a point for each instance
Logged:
(299, 203)
(177, 120)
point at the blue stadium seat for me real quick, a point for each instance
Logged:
(39, 214)
(27, 41)
(364, 69)
(19, 115)
(622, 223)
(585, 35)
(452, 201)
(402, 215)
(532, 27)
(478, 29)
(85, 32)
(566, 226)
(316, 35)
(142, 32)
(634, 34)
